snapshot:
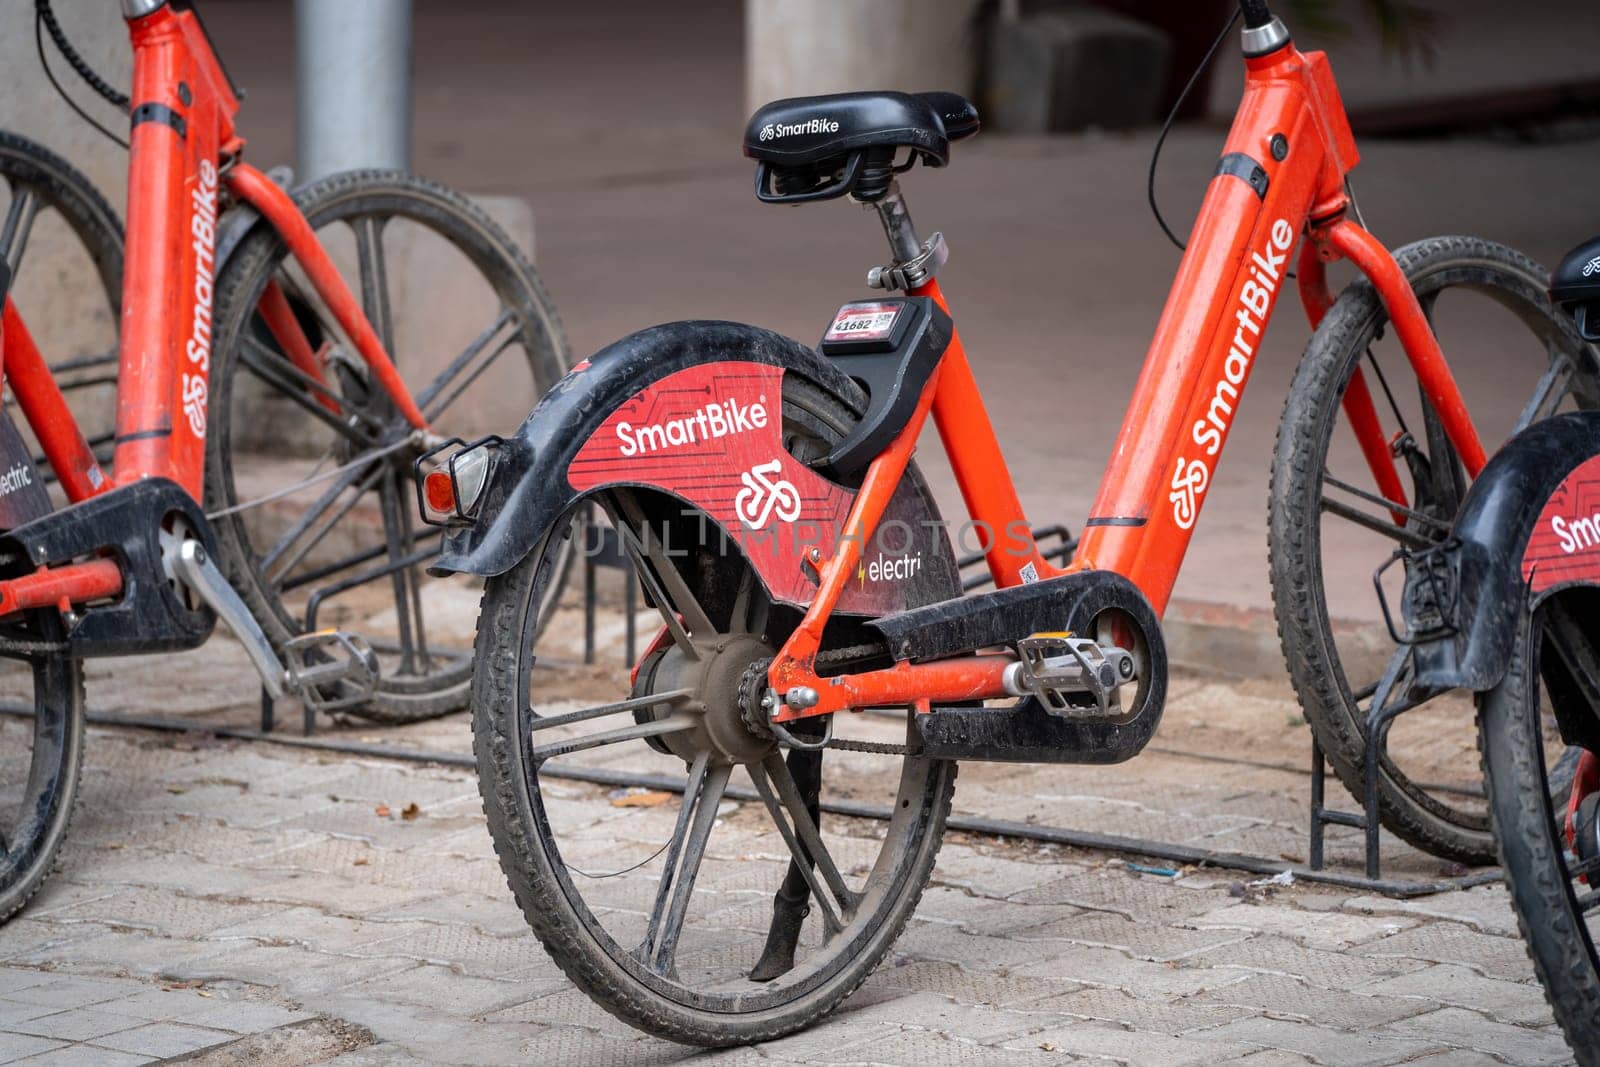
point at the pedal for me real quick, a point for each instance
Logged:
(331, 661)
(1072, 677)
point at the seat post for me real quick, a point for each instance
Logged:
(896, 218)
(914, 261)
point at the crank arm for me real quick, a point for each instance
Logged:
(196, 570)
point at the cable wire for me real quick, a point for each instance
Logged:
(44, 19)
(1166, 128)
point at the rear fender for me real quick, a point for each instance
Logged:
(694, 410)
(1528, 530)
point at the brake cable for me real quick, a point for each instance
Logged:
(45, 19)
(1166, 127)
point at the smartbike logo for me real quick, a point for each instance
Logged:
(790, 129)
(1191, 476)
(203, 228)
(711, 422)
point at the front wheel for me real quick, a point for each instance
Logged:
(1554, 879)
(1517, 360)
(308, 474)
(738, 912)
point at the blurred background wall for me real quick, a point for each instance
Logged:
(617, 124)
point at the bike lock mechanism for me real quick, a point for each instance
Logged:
(915, 262)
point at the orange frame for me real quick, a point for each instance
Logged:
(183, 162)
(1291, 126)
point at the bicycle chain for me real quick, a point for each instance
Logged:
(755, 718)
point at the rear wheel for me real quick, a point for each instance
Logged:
(1554, 879)
(736, 913)
(41, 753)
(1330, 528)
(308, 477)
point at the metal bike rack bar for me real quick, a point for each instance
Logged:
(975, 824)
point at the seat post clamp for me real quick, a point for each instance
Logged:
(913, 272)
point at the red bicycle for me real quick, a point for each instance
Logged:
(266, 420)
(777, 630)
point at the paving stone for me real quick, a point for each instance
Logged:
(440, 989)
(15, 978)
(966, 985)
(164, 1040)
(1450, 942)
(170, 914)
(1327, 930)
(1133, 1046)
(1464, 1029)
(1457, 1058)
(215, 1010)
(1282, 996)
(76, 1024)
(1107, 968)
(986, 916)
(1485, 908)
(916, 1050)
(85, 1056)
(1447, 983)
(1145, 940)
(64, 993)
(1268, 954)
(14, 1046)
(1174, 1016)
(1347, 1048)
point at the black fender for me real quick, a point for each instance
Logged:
(531, 484)
(1528, 529)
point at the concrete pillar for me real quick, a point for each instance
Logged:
(800, 47)
(352, 85)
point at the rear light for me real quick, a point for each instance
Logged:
(439, 493)
(452, 492)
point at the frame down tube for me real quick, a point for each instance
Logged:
(1205, 344)
(183, 108)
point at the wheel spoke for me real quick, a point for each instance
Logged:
(788, 810)
(654, 728)
(1580, 870)
(362, 479)
(1384, 526)
(678, 607)
(1553, 387)
(425, 398)
(18, 227)
(1589, 901)
(407, 589)
(697, 814)
(266, 365)
(374, 278)
(650, 700)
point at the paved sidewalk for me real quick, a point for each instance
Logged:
(212, 891)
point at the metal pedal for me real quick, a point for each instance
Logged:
(1073, 677)
(326, 662)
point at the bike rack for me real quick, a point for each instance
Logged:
(1427, 609)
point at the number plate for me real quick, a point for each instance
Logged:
(865, 321)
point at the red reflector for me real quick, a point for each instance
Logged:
(439, 492)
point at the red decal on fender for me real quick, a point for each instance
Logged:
(713, 435)
(1565, 544)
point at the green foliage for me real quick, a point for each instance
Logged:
(1406, 29)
